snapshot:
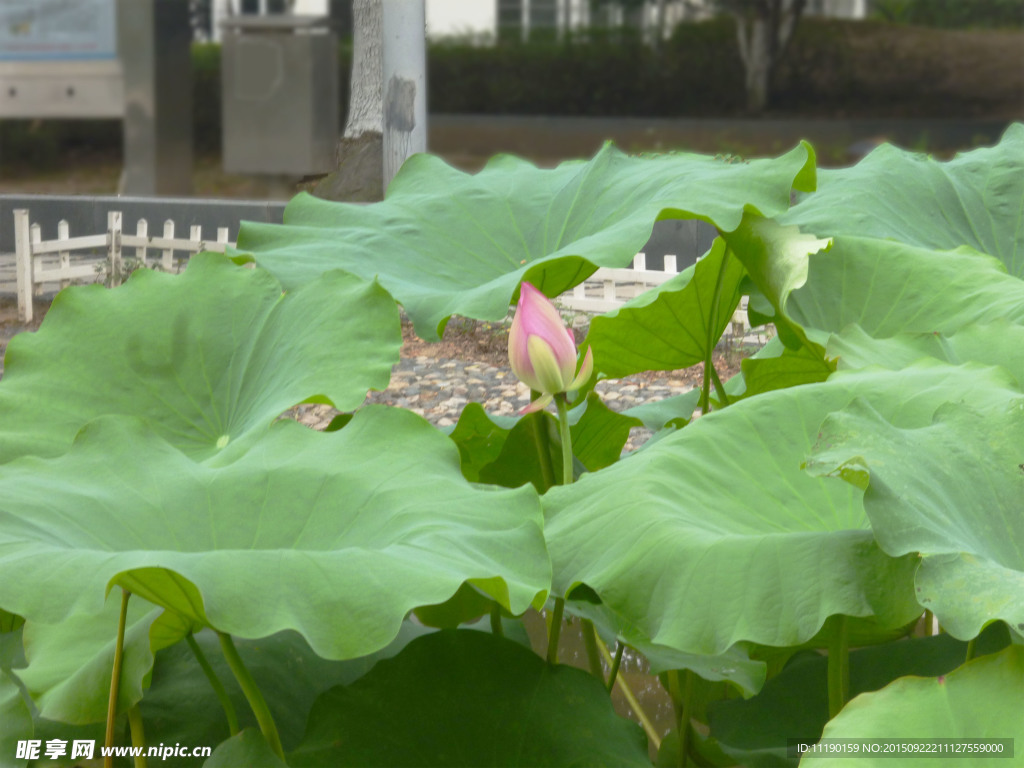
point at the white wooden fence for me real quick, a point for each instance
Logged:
(101, 257)
(95, 257)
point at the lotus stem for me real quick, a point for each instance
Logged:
(555, 630)
(590, 643)
(710, 374)
(616, 662)
(682, 699)
(566, 434)
(971, 649)
(838, 666)
(627, 694)
(719, 387)
(138, 735)
(215, 683)
(496, 629)
(929, 623)
(115, 679)
(540, 439)
(252, 693)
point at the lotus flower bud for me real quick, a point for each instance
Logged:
(542, 351)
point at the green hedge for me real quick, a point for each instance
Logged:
(833, 68)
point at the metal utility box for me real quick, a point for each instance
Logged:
(280, 95)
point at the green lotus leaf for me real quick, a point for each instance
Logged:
(734, 667)
(463, 698)
(776, 257)
(445, 242)
(507, 452)
(204, 357)
(599, 434)
(974, 199)
(952, 490)
(715, 535)
(675, 411)
(247, 748)
(15, 719)
(180, 706)
(479, 436)
(9, 622)
(672, 326)
(69, 664)
(755, 731)
(336, 535)
(888, 288)
(980, 700)
(12, 651)
(996, 343)
(791, 368)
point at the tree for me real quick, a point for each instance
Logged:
(764, 29)
(359, 175)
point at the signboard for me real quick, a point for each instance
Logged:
(57, 30)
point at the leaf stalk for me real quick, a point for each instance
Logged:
(838, 666)
(252, 693)
(630, 697)
(115, 679)
(710, 374)
(138, 735)
(218, 687)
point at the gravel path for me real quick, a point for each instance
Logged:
(439, 389)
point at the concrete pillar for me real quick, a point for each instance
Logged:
(154, 45)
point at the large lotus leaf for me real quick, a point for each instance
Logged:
(463, 698)
(69, 664)
(952, 490)
(204, 357)
(247, 748)
(675, 411)
(336, 535)
(980, 700)
(445, 242)
(776, 258)
(974, 199)
(15, 720)
(997, 343)
(500, 451)
(755, 731)
(180, 706)
(480, 437)
(715, 534)
(673, 326)
(9, 622)
(889, 288)
(734, 667)
(791, 368)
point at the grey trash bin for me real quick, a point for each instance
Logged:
(279, 86)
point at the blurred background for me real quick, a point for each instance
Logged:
(553, 79)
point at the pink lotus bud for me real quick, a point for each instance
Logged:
(542, 351)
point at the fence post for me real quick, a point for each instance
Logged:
(142, 230)
(114, 247)
(25, 267)
(63, 257)
(167, 257)
(195, 235)
(36, 236)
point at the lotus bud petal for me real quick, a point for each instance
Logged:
(542, 351)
